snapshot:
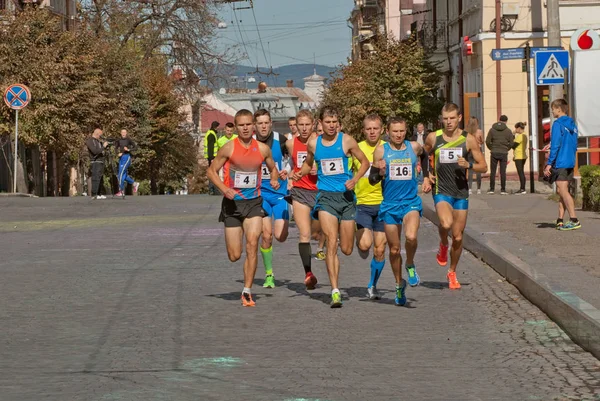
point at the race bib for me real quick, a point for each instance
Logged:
(401, 171)
(332, 166)
(301, 156)
(245, 180)
(266, 173)
(450, 155)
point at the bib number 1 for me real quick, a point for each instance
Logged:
(265, 172)
(450, 155)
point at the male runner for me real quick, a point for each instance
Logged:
(241, 211)
(228, 136)
(304, 193)
(396, 162)
(370, 231)
(320, 255)
(274, 204)
(292, 123)
(124, 146)
(449, 148)
(335, 204)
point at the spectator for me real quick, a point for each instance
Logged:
(420, 136)
(473, 129)
(96, 148)
(520, 154)
(561, 162)
(499, 141)
(210, 150)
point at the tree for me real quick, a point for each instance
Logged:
(396, 80)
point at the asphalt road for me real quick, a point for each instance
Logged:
(135, 300)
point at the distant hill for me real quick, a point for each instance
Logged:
(295, 72)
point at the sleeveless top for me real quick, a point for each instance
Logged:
(451, 179)
(279, 161)
(333, 169)
(242, 171)
(299, 153)
(367, 194)
(400, 184)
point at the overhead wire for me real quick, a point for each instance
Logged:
(241, 37)
(260, 40)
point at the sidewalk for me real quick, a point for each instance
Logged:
(556, 270)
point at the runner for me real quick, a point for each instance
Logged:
(292, 123)
(397, 163)
(241, 210)
(320, 255)
(450, 148)
(335, 204)
(276, 207)
(304, 193)
(370, 231)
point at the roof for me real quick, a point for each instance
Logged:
(315, 77)
(210, 114)
(297, 92)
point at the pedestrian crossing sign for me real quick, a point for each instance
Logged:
(550, 67)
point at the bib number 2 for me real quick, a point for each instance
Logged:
(332, 166)
(245, 180)
(450, 155)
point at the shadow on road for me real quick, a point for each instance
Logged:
(546, 225)
(235, 296)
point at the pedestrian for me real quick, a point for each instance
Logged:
(277, 218)
(479, 137)
(96, 150)
(561, 162)
(499, 141)
(450, 147)
(396, 163)
(370, 231)
(125, 146)
(241, 210)
(336, 203)
(420, 137)
(211, 148)
(304, 194)
(520, 154)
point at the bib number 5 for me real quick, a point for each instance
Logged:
(450, 155)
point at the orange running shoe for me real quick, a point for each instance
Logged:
(442, 255)
(247, 299)
(310, 281)
(453, 283)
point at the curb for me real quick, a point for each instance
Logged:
(579, 319)
(16, 195)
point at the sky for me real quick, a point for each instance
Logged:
(292, 31)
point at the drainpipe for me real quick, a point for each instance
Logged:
(461, 81)
(498, 69)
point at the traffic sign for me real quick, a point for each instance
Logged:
(17, 96)
(508, 54)
(549, 67)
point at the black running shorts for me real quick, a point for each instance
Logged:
(234, 212)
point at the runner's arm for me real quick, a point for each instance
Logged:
(375, 175)
(271, 165)
(350, 145)
(480, 165)
(424, 160)
(213, 170)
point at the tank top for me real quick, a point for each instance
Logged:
(367, 194)
(279, 161)
(332, 165)
(299, 153)
(400, 184)
(451, 179)
(242, 171)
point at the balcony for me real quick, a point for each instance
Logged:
(432, 36)
(366, 3)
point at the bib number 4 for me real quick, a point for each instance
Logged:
(245, 180)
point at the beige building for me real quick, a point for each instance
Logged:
(444, 29)
(66, 9)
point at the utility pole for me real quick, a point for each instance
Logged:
(556, 91)
(498, 68)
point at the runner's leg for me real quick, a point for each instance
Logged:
(233, 242)
(458, 227)
(411, 223)
(252, 229)
(330, 227)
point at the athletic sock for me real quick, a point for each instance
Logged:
(376, 269)
(246, 290)
(267, 255)
(574, 220)
(335, 290)
(305, 255)
(558, 221)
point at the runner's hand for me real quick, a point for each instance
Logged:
(126, 148)
(547, 170)
(426, 185)
(105, 144)
(382, 167)
(350, 184)
(462, 162)
(283, 174)
(120, 154)
(274, 183)
(296, 176)
(229, 194)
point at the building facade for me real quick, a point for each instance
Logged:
(65, 9)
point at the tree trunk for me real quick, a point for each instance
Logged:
(21, 183)
(55, 174)
(153, 174)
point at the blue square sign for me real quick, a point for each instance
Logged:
(549, 67)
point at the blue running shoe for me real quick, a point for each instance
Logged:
(568, 226)
(413, 276)
(401, 294)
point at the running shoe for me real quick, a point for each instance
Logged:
(442, 255)
(247, 299)
(372, 293)
(490, 192)
(135, 186)
(320, 255)
(401, 294)
(269, 281)
(479, 192)
(119, 194)
(521, 192)
(413, 276)
(336, 300)
(453, 283)
(310, 281)
(569, 225)
(559, 225)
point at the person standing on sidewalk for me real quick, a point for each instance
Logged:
(211, 148)
(499, 141)
(419, 137)
(96, 149)
(520, 154)
(561, 162)
(473, 121)
(124, 146)
(450, 147)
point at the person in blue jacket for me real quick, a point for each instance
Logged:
(561, 162)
